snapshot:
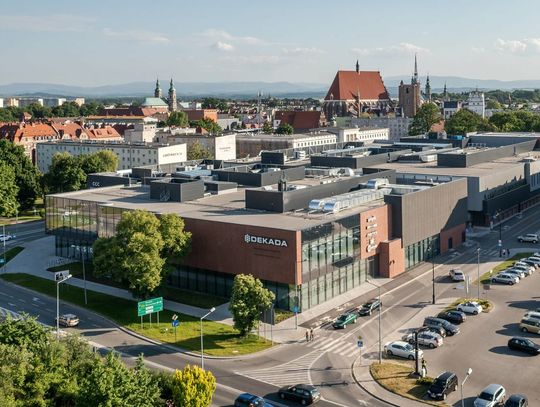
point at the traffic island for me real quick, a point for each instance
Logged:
(219, 339)
(487, 306)
(399, 378)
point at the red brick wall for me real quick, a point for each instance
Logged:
(381, 217)
(456, 233)
(391, 258)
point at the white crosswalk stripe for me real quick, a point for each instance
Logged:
(334, 345)
(293, 372)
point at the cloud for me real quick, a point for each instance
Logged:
(403, 48)
(523, 46)
(137, 35)
(220, 35)
(45, 23)
(223, 46)
(302, 51)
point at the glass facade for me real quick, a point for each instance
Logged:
(331, 263)
(421, 251)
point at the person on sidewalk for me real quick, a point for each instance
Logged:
(307, 335)
(311, 334)
(424, 368)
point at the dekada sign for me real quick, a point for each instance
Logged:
(265, 240)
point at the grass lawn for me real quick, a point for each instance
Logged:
(484, 278)
(219, 339)
(11, 253)
(187, 297)
(396, 377)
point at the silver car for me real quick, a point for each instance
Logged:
(402, 349)
(515, 271)
(504, 278)
(491, 396)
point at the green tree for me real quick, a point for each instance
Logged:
(38, 111)
(100, 161)
(27, 177)
(249, 298)
(193, 387)
(214, 103)
(284, 128)
(65, 174)
(8, 191)
(68, 109)
(493, 104)
(209, 125)
(428, 114)
(196, 151)
(267, 128)
(178, 119)
(176, 241)
(90, 109)
(465, 121)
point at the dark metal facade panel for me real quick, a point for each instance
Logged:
(99, 181)
(482, 156)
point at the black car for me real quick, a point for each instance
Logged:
(453, 316)
(450, 329)
(443, 385)
(517, 400)
(250, 400)
(301, 393)
(369, 307)
(524, 345)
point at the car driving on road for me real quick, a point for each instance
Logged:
(491, 396)
(301, 393)
(5, 238)
(457, 275)
(344, 319)
(68, 320)
(250, 400)
(402, 349)
(528, 238)
(470, 307)
(369, 307)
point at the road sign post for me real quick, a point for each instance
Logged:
(175, 324)
(148, 307)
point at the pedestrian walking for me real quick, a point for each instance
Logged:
(424, 367)
(311, 334)
(307, 335)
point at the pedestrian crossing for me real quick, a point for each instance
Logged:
(334, 344)
(293, 372)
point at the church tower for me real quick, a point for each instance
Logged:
(157, 91)
(172, 97)
(409, 95)
(428, 89)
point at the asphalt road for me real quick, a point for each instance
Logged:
(24, 232)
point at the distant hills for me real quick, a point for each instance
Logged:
(246, 89)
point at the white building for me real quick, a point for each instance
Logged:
(53, 102)
(142, 132)
(364, 134)
(129, 155)
(450, 108)
(221, 147)
(476, 103)
(1, 102)
(397, 126)
(23, 102)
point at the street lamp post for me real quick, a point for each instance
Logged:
(469, 371)
(433, 270)
(59, 277)
(202, 346)
(379, 317)
(83, 273)
(498, 216)
(478, 270)
(4, 241)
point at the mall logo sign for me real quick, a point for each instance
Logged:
(265, 240)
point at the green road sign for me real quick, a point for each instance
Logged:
(149, 306)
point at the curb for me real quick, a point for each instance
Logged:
(365, 389)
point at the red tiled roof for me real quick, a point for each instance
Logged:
(73, 130)
(15, 132)
(106, 132)
(300, 120)
(347, 84)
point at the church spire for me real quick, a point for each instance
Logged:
(172, 97)
(415, 75)
(445, 93)
(157, 91)
(357, 67)
(428, 89)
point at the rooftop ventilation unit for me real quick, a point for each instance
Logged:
(377, 183)
(345, 201)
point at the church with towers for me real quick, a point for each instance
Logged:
(159, 103)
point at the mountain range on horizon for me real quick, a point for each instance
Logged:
(247, 89)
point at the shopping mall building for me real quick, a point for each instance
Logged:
(311, 232)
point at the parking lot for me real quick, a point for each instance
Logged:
(482, 342)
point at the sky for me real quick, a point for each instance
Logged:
(91, 43)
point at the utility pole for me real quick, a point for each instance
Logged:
(478, 270)
(433, 269)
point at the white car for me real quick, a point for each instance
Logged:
(504, 278)
(532, 314)
(470, 307)
(5, 238)
(430, 339)
(528, 270)
(516, 272)
(402, 349)
(492, 395)
(457, 275)
(528, 238)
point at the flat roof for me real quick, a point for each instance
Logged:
(225, 208)
(264, 136)
(478, 170)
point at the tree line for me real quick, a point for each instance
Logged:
(37, 111)
(37, 370)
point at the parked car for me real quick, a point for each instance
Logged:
(250, 400)
(527, 268)
(528, 238)
(491, 396)
(524, 345)
(517, 400)
(425, 338)
(344, 320)
(516, 272)
(301, 393)
(450, 329)
(443, 385)
(369, 307)
(535, 260)
(68, 320)
(530, 325)
(532, 315)
(526, 260)
(402, 349)
(470, 307)
(453, 316)
(5, 238)
(504, 278)
(457, 275)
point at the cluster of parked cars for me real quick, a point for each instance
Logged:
(518, 271)
(303, 394)
(350, 317)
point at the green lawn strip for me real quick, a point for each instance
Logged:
(11, 253)
(219, 339)
(485, 278)
(397, 378)
(487, 306)
(193, 298)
